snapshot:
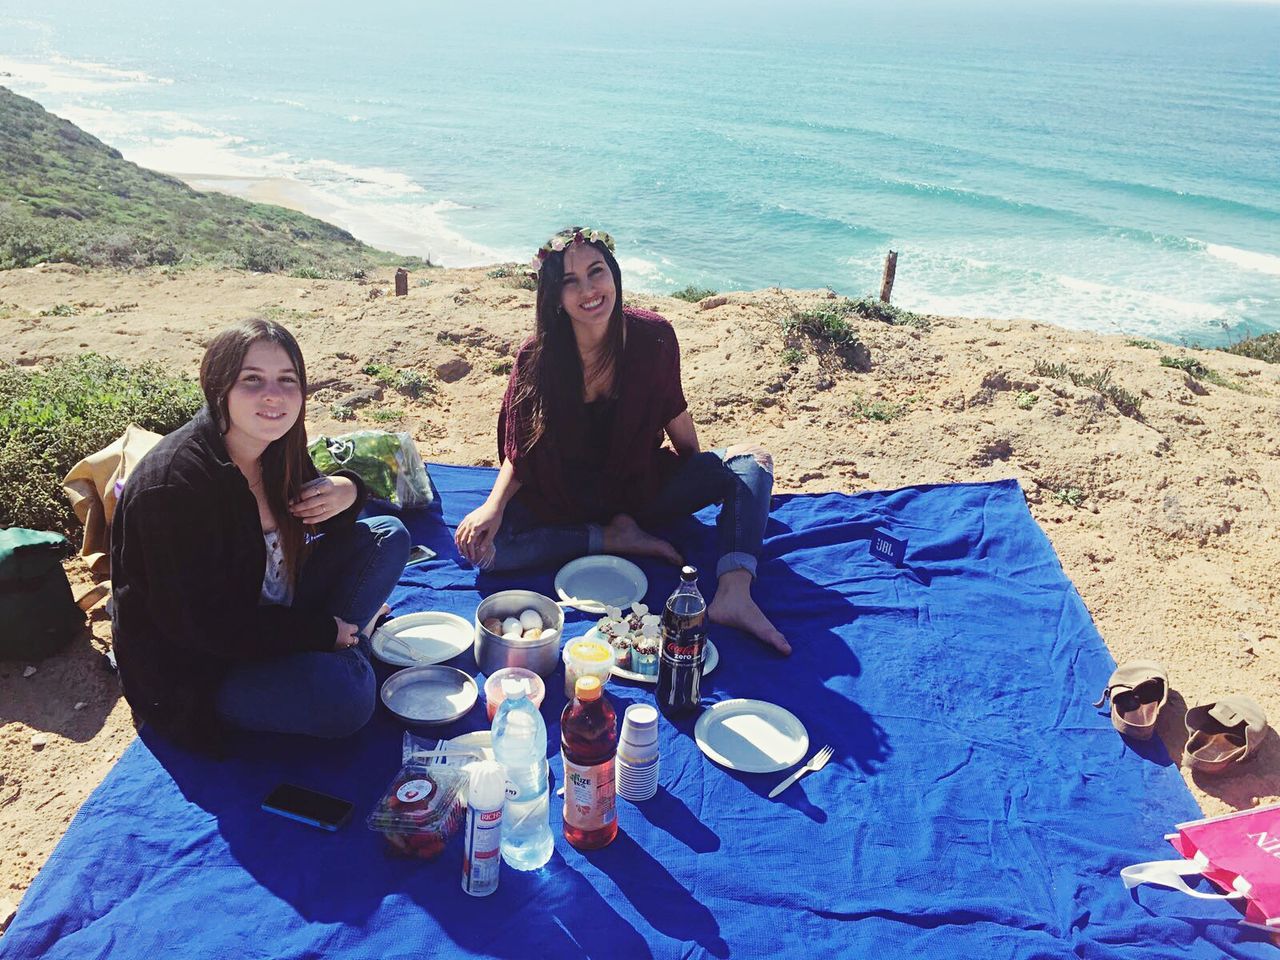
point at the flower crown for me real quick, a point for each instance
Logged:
(557, 244)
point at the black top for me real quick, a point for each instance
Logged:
(586, 460)
(187, 559)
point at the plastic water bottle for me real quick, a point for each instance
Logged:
(520, 745)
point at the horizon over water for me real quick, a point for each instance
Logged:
(1109, 167)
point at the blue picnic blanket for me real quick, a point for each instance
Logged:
(977, 805)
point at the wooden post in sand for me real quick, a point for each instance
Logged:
(402, 282)
(890, 268)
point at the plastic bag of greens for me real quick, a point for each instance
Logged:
(388, 463)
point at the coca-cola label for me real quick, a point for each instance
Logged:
(684, 649)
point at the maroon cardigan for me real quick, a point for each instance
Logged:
(636, 463)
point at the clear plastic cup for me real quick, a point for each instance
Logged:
(586, 658)
(493, 694)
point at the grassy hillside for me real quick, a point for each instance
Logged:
(67, 196)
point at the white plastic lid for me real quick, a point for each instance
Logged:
(488, 786)
(513, 688)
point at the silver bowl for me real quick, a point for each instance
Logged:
(429, 696)
(493, 652)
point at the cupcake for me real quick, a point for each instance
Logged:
(621, 651)
(644, 653)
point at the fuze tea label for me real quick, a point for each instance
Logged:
(590, 796)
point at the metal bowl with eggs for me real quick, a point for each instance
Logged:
(518, 628)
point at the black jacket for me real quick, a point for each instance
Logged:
(187, 559)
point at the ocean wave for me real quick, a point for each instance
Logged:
(61, 76)
(1248, 259)
(108, 71)
(1200, 200)
(138, 126)
(790, 215)
(936, 282)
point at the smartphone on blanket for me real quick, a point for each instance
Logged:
(420, 554)
(308, 806)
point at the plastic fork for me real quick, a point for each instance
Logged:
(816, 763)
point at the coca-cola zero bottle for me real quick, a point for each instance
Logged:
(684, 643)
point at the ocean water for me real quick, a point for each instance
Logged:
(1112, 167)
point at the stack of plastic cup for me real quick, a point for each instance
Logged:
(637, 761)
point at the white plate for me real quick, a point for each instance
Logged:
(751, 736)
(709, 663)
(434, 636)
(601, 581)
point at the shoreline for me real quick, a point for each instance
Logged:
(436, 243)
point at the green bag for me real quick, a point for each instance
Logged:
(388, 463)
(37, 615)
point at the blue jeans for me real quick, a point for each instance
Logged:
(740, 485)
(349, 574)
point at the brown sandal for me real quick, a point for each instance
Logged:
(1224, 733)
(1138, 690)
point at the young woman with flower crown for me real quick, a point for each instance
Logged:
(580, 436)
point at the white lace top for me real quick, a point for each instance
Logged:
(275, 580)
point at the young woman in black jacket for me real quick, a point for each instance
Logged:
(243, 582)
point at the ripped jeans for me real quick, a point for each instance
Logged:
(740, 485)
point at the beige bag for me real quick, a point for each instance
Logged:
(91, 487)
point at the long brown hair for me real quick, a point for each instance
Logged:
(286, 465)
(549, 390)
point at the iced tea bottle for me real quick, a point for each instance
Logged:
(588, 745)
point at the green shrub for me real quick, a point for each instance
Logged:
(792, 356)
(386, 416)
(382, 372)
(872, 308)
(825, 324)
(1025, 399)
(1264, 347)
(881, 411)
(502, 367)
(1125, 402)
(341, 411)
(1141, 344)
(316, 273)
(60, 310)
(51, 419)
(693, 294)
(412, 384)
(1068, 497)
(265, 256)
(1194, 368)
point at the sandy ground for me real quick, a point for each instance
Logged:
(1165, 523)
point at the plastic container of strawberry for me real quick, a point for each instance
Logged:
(421, 810)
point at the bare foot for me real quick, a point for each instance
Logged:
(733, 606)
(623, 535)
(368, 630)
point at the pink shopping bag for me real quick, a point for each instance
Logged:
(1239, 853)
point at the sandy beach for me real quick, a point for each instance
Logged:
(426, 235)
(1164, 522)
